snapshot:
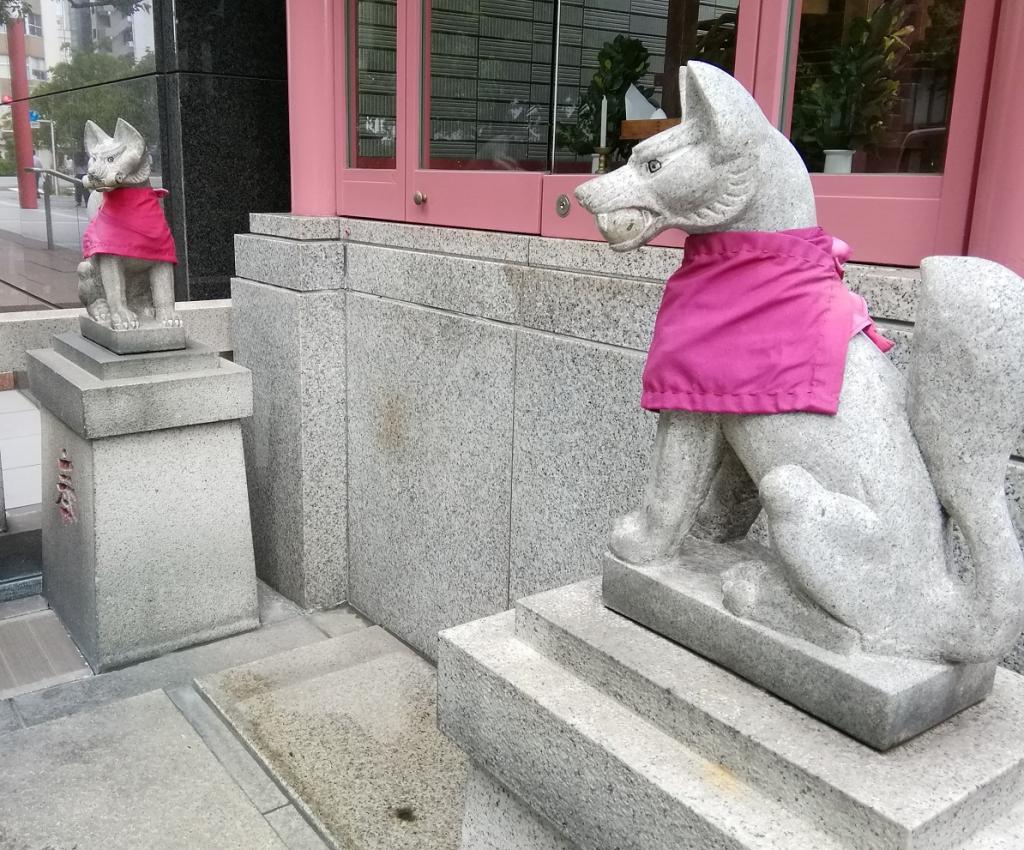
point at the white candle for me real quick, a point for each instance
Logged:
(604, 122)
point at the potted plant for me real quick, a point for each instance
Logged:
(621, 64)
(841, 105)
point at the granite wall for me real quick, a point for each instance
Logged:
(222, 76)
(460, 426)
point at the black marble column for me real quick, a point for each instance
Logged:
(224, 131)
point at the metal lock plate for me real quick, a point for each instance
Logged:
(562, 205)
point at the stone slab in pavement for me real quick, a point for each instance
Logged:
(244, 769)
(130, 776)
(348, 727)
(9, 721)
(168, 671)
(339, 621)
(294, 830)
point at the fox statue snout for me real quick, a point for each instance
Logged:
(887, 523)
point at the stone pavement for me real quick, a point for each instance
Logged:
(139, 758)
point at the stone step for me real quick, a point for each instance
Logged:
(927, 793)
(599, 772)
(348, 727)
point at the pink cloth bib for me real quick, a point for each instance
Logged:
(755, 322)
(130, 223)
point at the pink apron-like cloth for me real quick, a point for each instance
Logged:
(755, 322)
(130, 223)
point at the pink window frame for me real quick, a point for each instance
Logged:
(930, 212)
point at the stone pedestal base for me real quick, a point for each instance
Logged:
(880, 700)
(610, 736)
(147, 545)
(150, 335)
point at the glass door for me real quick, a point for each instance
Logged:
(640, 44)
(884, 105)
(372, 119)
(482, 117)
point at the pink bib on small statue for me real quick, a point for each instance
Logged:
(755, 322)
(130, 223)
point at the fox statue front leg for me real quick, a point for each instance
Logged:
(687, 451)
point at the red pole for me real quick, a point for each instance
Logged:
(19, 113)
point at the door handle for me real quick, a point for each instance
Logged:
(419, 199)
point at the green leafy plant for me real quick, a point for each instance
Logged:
(622, 63)
(845, 101)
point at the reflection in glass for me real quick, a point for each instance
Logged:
(873, 84)
(489, 84)
(374, 41)
(606, 48)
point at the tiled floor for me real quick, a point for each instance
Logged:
(19, 449)
(35, 650)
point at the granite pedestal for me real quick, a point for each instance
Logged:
(587, 730)
(147, 543)
(880, 700)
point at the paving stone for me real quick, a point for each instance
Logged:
(133, 775)
(168, 671)
(20, 607)
(294, 830)
(9, 721)
(36, 653)
(348, 727)
(340, 621)
(274, 608)
(237, 761)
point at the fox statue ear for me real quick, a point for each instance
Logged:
(94, 136)
(131, 138)
(717, 102)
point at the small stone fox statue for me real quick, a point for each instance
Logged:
(887, 522)
(127, 273)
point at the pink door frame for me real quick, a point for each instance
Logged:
(997, 224)
(865, 209)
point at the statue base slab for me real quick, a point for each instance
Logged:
(149, 336)
(146, 535)
(587, 730)
(880, 700)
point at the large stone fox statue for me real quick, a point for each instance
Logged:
(888, 523)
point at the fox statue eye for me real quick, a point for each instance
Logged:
(110, 159)
(653, 165)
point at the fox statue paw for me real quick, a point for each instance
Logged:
(633, 541)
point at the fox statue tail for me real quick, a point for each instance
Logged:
(966, 408)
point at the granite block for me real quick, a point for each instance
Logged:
(149, 336)
(273, 606)
(290, 264)
(891, 292)
(580, 456)
(9, 720)
(217, 116)
(462, 285)
(862, 797)
(221, 38)
(430, 457)
(180, 572)
(496, 820)
(534, 696)
(655, 264)
(294, 344)
(880, 700)
(106, 365)
(294, 830)
(261, 790)
(114, 779)
(339, 621)
(901, 336)
(614, 310)
(168, 671)
(94, 408)
(305, 228)
(511, 247)
(348, 727)
(601, 775)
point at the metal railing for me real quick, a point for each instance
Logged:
(49, 172)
